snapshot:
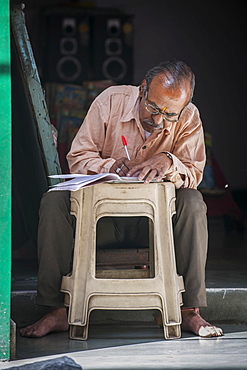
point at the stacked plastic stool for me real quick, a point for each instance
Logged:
(160, 290)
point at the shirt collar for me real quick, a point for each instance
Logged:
(132, 108)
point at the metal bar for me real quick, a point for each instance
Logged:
(35, 92)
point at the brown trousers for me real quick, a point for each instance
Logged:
(56, 235)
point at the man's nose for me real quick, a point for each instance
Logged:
(158, 119)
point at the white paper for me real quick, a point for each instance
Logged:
(80, 181)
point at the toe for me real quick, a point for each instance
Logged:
(219, 332)
(210, 331)
(25, 332)
(28, 332)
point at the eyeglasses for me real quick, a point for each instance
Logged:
(155, 110)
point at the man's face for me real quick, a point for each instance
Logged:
(161, 98)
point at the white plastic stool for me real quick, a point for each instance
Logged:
(86, 292)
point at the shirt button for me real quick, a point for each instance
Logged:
(144, 147)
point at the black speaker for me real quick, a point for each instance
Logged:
(112, 49)
(88, 45)
(67, 48)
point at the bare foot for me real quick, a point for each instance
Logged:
(56, 320)
(192, 321)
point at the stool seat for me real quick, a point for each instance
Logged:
(157, 288)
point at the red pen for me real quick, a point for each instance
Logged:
(124, 141)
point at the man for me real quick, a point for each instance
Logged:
(165, 139)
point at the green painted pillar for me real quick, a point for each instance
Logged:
(5, 180)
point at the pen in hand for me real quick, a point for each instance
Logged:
(124, 141)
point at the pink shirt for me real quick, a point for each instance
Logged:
(115, 112)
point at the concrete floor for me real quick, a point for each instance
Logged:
(134, 341)
(138, 347)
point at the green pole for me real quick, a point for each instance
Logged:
(5, 180)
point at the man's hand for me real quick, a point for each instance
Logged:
(121, 167)
(157, 166)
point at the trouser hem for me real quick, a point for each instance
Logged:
(46, 303)
(194, 304)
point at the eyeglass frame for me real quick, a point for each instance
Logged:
(159, 111)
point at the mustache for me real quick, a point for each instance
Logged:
(152, 124)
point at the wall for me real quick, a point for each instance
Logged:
(210, 37)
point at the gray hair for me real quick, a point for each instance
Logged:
(179, 71)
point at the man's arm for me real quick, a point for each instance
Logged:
(184, 163)
(189, 156)
(97, 145)
(85, 153)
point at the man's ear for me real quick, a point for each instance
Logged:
(143, 88)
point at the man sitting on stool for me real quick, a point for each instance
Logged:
(165, 139)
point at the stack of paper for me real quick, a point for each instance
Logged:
(81, 181)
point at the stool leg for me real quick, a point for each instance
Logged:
(170, 331)
(78, 332)
(173, 332)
